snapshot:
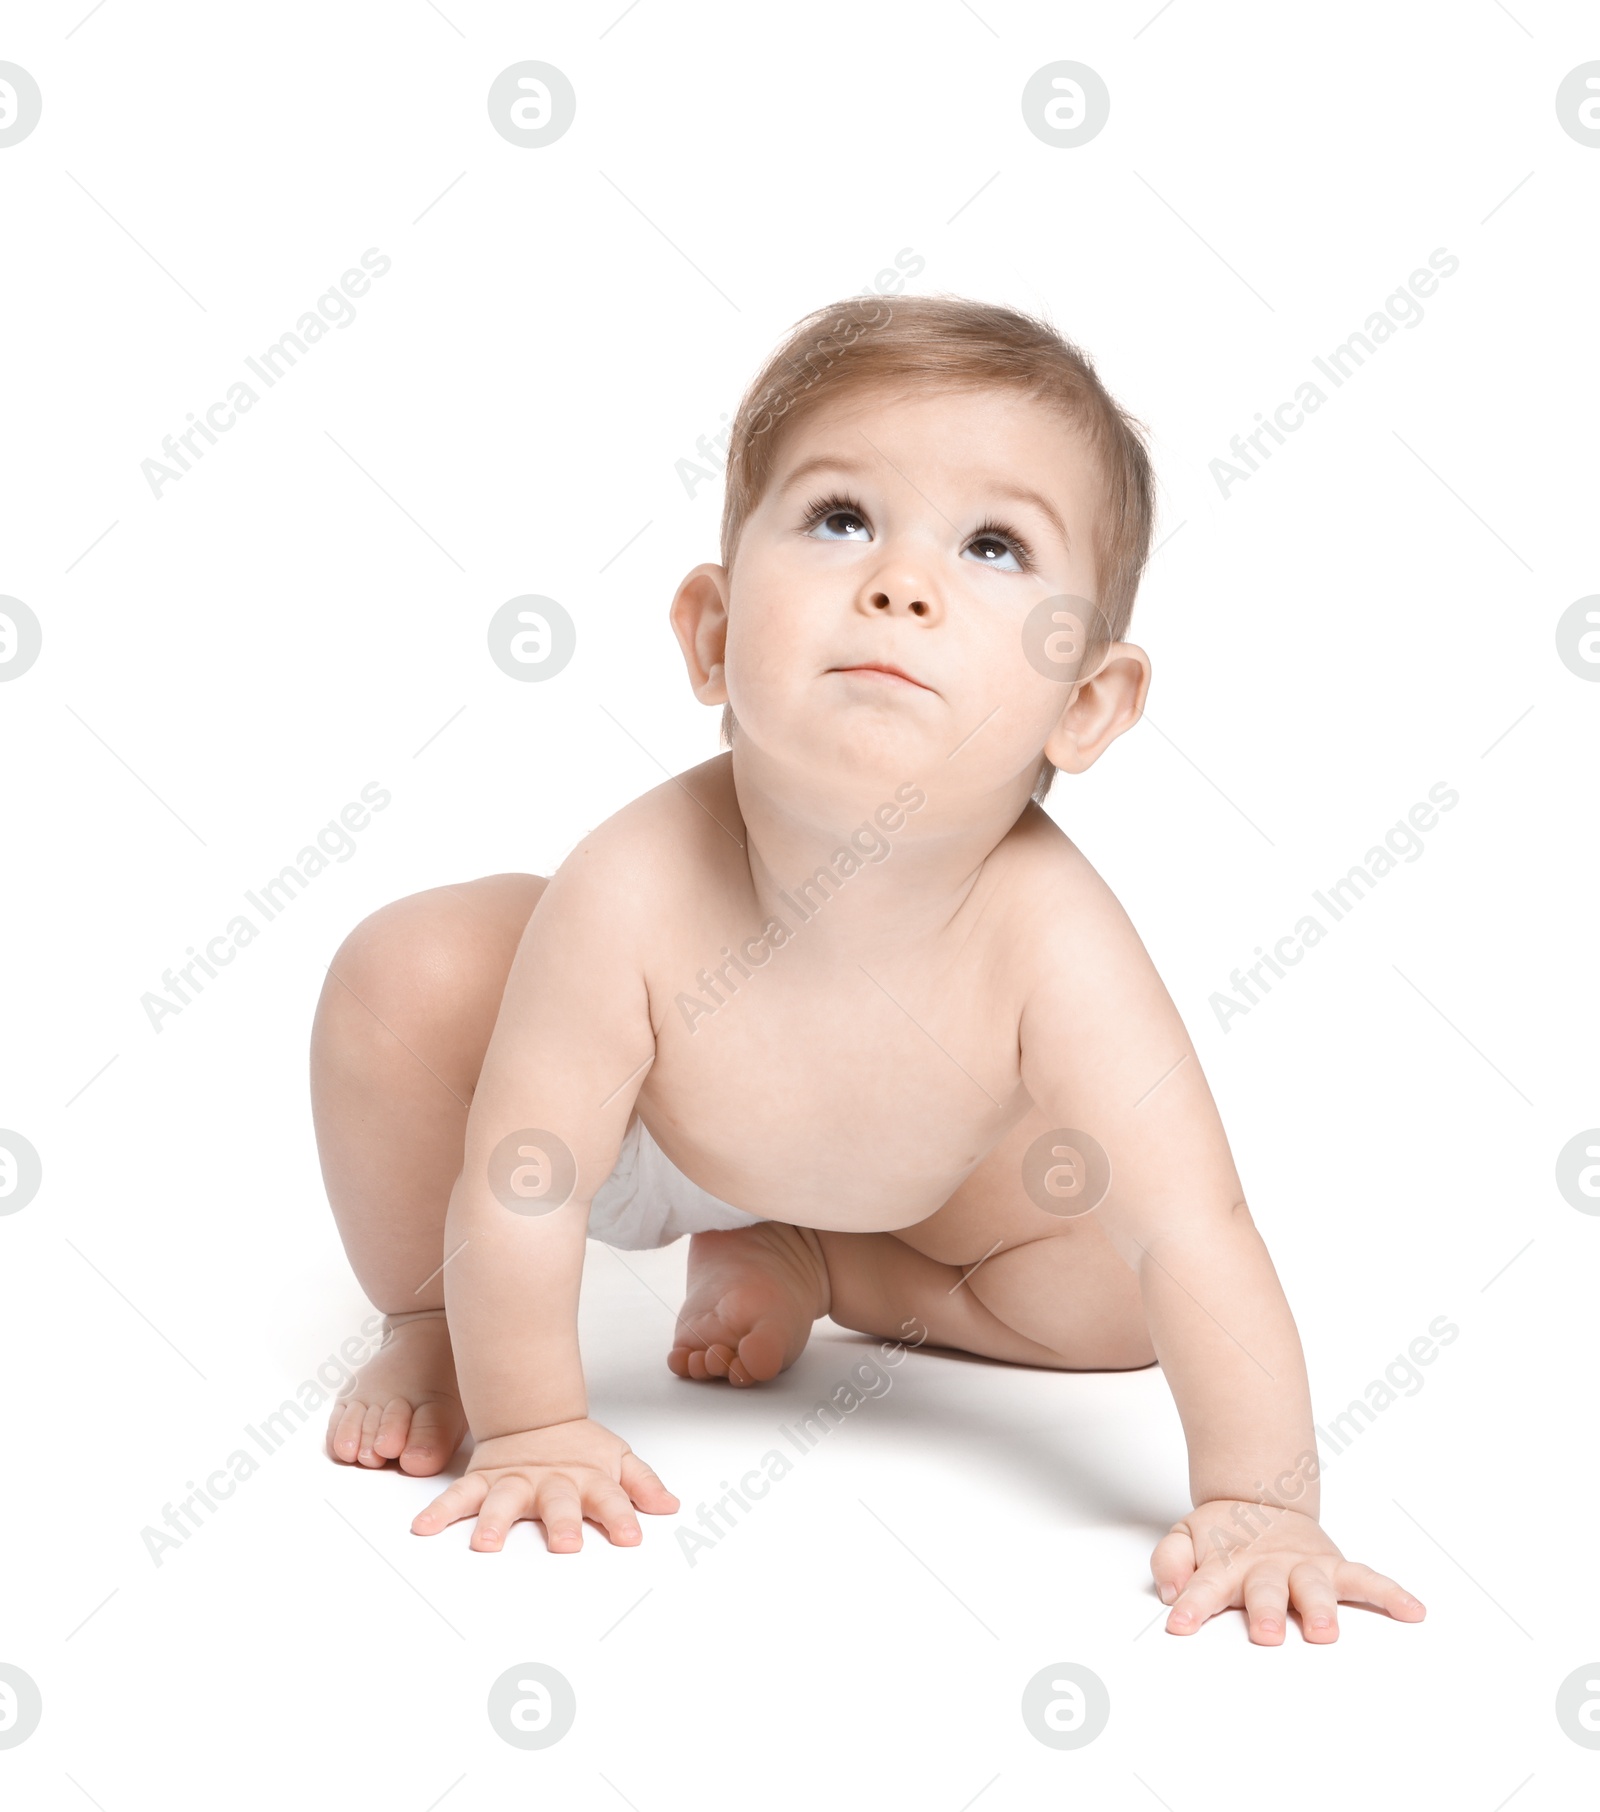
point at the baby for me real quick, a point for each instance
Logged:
(842, 1003)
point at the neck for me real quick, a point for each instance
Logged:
(844, 854)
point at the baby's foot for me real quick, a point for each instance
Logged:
(753, 1294)
(403, 1404)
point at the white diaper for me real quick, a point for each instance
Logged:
(647, 1201)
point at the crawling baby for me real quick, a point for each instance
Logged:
(843, 1004)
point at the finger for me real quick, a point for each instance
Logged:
(558, 1506)
(463, 1498)
(646, 1490)
(1312, 1595)
(344, 1430)
(1266, 1604)
(611, 1507)
(393, 1428)
(1358, 1584)
(1212, 1589)
(510, 1498)
(1172, 1563)
(370, 1423)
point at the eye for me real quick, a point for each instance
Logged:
(836, 519)
(1001, 548)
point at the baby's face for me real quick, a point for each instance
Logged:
(879, 592)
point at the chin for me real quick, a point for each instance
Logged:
(857, 749)
(875, 737)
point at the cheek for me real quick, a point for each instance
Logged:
(992, 659)
(773, 608)
(989, 670)
(1033, 701)
(767, 632)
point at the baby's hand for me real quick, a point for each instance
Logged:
(1225, 1554)
(559, 1474)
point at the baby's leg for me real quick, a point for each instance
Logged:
(1063, 1299)
(752, 1297)
(990, 1273)
(993, 1273)
(396, 1049)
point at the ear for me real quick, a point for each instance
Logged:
(1101, 707)
(700, 622)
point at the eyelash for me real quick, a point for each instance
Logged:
(997, 531)
(820, 508)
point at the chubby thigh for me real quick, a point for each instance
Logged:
(992, 1272)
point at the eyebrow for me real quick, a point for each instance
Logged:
(823, 462)
(1021, 494)
(838, 462)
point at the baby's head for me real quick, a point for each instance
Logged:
(941, 487)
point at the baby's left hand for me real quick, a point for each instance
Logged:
(1265, 1560)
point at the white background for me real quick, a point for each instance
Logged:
(226, 666)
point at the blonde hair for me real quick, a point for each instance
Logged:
(949, 343)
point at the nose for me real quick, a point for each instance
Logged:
(900, 587)
(885, 605)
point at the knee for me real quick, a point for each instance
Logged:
(415, 966)
(392, 960)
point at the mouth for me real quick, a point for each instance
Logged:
(885, 672)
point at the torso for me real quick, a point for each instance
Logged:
(852, 1095)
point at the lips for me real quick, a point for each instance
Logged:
(885, 670)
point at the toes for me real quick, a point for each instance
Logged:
(757, 1357)
(743, 1347)
(344, 1430)
(435, 1434)
(370, 1424)
(395, 1425)
(761, 1354)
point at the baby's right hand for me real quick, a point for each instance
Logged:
(560, 1475)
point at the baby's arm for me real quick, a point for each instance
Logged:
(1104, 1052)
(570, 1048)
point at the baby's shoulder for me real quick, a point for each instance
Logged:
(656, 846)
(1058, 909)
(1040, 869)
